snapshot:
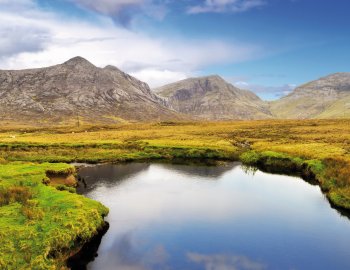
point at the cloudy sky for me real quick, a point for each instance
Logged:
(268, 46)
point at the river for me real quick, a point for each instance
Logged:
(189, 217)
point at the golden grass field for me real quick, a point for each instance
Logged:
(311, 139)
(315, 149)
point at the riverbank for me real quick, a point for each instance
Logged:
(48, 221)
(40, 226)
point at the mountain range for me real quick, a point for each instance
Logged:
(79, 92)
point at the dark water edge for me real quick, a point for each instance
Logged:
(88, 252)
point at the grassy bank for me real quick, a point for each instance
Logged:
(317, 150)
(39, 225)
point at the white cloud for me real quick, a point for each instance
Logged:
(266, 92)
(224, 262)
(31, 37)
(18, 38)
(16, 4)
(159, 77)
(109, 6)
(221, 6)
(124, 11)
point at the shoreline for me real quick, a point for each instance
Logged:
(315, 150)
(303, 170)
(268, 162)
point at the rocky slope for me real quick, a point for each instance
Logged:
(212, 98)
(77, 91)
(328, 97)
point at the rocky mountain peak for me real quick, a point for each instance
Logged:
(327, 97)
(78, 61)
(214, 77)
(212, 98)
(112, 68)
(75, 88)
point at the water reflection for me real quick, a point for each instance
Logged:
(108, 175)
(217, 218)
(225, 262)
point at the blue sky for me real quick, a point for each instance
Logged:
(268, 46)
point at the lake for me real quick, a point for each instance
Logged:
(189, 217)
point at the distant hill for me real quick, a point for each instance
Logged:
(212, 98)
(77, 91)
(328, 97)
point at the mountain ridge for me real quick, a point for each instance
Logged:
(212, 98)
(78, 91)
(77, 88)
(326, 97)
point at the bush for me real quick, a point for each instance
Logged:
(15, 194)
(337, 172)
(31, 211)
(65, 188)
(46, 181)
(250, 158)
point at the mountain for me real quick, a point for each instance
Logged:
(78, 91)
(328, 97)
(212, 98)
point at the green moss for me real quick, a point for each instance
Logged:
(340, 198)
(250, 157)
(36, 231)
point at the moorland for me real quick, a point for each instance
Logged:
(35, 234)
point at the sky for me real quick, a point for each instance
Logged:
(267, 46)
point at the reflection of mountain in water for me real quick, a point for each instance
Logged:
(165, 216)
(109, 174)
(209, 172)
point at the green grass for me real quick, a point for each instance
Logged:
(41, 225)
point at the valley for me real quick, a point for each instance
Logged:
(76, 113)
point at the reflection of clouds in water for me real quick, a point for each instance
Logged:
(153, 198)
(125, 254)
(162, 194)
(159, 196)
(224, 262)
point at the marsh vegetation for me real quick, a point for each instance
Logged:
(42, 220)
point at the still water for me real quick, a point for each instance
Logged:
(180, 217)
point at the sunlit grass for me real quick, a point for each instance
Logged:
(38, 223)
(50, 220)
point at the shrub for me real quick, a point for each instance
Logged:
(250, 157)
(65, 188)
(15, 194)
(337, 172)
(31, 211)
(2, 160)
(46, 181)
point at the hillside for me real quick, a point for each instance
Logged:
(328, 97)
(212, 98)
(75, 92)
